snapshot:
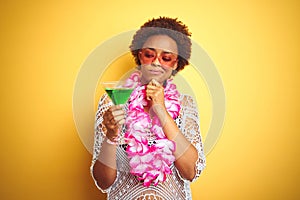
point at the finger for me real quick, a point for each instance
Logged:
(113, 121)
(108, 118)
(108, 115)
(151, 82)
(117, 113)
(112, 129)
(152, 94)
(119, 118)
(121, 122)
(149, 94)
(116, 107)
(148, 98)
(153, 91)
(155, 82)
(151, 87)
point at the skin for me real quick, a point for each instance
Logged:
(161, 43)
(154, 76)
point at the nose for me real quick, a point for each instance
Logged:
(156, 61)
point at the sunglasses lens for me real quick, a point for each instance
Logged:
(165, 58)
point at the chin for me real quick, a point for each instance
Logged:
(159, 79)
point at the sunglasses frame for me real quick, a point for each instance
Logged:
(160, 56)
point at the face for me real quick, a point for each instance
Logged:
(158, 58)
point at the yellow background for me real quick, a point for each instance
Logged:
(254, 44)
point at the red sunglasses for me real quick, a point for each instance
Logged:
(149, 55)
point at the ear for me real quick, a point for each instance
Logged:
(139, 55)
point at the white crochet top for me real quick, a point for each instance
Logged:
(126, 185)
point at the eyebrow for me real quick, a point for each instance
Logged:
(153, 49)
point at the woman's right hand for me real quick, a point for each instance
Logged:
(114, 118)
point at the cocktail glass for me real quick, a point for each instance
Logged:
(118, 91)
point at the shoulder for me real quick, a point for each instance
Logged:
(188, 105)
(104, 99)
(186, 100)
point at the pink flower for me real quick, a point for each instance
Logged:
(158, 130)
(135, 146)
(161, 177)
(133, 79)
(150, 163)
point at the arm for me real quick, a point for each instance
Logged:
(190, 128)
(186, 154)
(103, 168)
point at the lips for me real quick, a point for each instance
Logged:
(156, 72)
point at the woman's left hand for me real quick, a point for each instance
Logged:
(156, 97)
(155, 93)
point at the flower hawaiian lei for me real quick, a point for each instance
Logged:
(150, 159)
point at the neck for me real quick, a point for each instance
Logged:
(146, 82)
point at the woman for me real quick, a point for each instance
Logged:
(151, 147)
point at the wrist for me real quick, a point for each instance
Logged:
(107, 140)
(161, 113)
